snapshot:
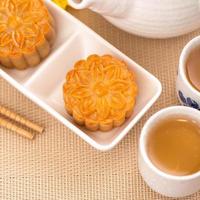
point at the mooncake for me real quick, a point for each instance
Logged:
(26, 33)
(100, 92)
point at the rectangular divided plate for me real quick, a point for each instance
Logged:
(43, 84)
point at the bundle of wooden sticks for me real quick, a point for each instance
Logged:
(17, 123)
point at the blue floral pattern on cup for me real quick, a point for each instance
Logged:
(187, 101)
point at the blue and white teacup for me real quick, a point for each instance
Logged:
(187, 94)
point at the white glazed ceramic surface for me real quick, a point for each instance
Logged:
(187, 94)
(165, 184)
(148, 18)
(43, 84)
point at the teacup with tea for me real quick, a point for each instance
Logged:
(169, 151)
(188, 79)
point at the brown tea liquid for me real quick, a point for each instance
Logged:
(173, 146)
(193, 68)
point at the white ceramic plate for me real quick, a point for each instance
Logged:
(43, 84)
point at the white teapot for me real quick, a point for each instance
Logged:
(148, 18)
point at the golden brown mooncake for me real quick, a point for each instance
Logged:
(100, 92)
(26, 33)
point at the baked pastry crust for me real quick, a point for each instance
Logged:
(100, 92)
(26, 33)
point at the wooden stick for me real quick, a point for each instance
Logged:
(8, 125)
(16, 117)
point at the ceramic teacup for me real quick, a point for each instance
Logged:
(161, 182)
(187, 94)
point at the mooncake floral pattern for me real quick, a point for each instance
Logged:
(187, 101)
(23, 24)
(100, 92)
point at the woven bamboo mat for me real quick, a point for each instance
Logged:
(58, 165)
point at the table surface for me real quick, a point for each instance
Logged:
(58, 165)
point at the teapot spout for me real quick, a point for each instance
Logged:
(80, 4)
(113, 8)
